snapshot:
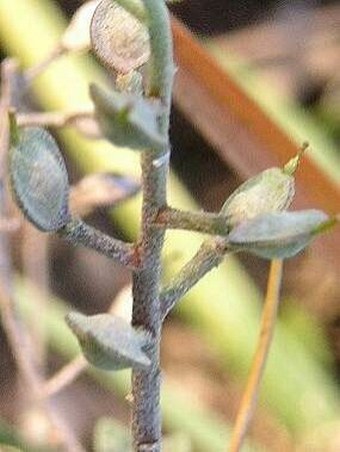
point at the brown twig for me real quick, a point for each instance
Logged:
(34, 71)
(35, 268)
(250, 395)
(51, 119)
(9, 224)
(64, 377)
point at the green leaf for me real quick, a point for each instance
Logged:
(109, 342)
(118, 39)
(128, 120)
(39, 178)
(278, 235)
(270, 191)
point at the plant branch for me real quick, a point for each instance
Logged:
(17, 335)
(51, 119)
(10, 323)
(210, 255)
(9, 74)
(161, 66)
(136, 9)
(206, 222)
(35, 268)
(9, 224)
(64, 377)
(79, 233)
(250, 395)
(146, 414)
(36, 70)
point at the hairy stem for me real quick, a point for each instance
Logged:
(79, 233)
(206, 222)
(250, 395)
(146, 415)
(135, 8)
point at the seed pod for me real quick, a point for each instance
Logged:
(270, 191)
(127, 120)
(278, 235)
(118, 39)
(109, 342)
(39, 178)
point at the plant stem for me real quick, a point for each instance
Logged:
(206, 222)
(146, 414)
(250, 395)
(210, 255)
(79, 233)
(136, 9)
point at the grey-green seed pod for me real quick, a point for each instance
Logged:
(279, 235)
(109, 342)
(128, 120)
(270, 191)
(39, 178)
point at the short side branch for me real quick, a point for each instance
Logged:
(79, 233)
(206, 222)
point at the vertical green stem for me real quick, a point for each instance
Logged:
(146, 415)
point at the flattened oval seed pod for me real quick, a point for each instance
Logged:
(126, 120)
(109, 342)
(118, 39)
(269, 191)
(278, 235)
(39, 179)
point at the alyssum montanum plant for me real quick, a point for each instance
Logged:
(135, 114)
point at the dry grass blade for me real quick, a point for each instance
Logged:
(250, 395)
